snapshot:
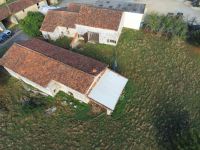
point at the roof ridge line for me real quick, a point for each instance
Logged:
(96, 7)
(8, 9)
(54, 59)
(13, 2)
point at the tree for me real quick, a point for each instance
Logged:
(31, 23)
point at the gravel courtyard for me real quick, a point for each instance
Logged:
(159, 6)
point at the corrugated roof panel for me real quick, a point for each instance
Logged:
(108, 89)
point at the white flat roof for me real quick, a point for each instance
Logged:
(108, 89)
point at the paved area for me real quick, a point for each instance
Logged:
(17, 37)
(174, 6)
(160, 6)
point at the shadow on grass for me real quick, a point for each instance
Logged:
(171, 122)
(4, 76)
(194, 42)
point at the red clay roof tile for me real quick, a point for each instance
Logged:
(99, 17)
(4, 11)
(15, 7)
(21, 4)
(75, 60)
(74, 7)
(41, 62)
(60, 18)
(87, 15)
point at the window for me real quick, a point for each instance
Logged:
(46, 36)
(38, 5)
(111, 41)
(62, 34)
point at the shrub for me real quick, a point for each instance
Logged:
(168, 25)
(31, 23)
(194, 37)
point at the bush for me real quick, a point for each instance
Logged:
(194, 37)
(168, 25)
(31, 23)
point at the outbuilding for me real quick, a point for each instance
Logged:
(51, 69)
(14, 11)
(92, 24)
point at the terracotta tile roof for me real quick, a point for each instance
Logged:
(4, 11)
(84, 15)
(74, 7)
(39, 67)
(83, 63)
(60, 18)
(16, 6)
(21, 4)
(99, 17)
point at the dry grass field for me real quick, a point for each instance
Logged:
(159, 109)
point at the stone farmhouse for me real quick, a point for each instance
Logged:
(92, 23)
(17, 10)
(51, 69)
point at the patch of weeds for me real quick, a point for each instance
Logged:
(63, 42)
(80, 109)
(35, 104)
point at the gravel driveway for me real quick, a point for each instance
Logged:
(165, 6)
(160, 6)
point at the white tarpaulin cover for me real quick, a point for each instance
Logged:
(108, 89)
